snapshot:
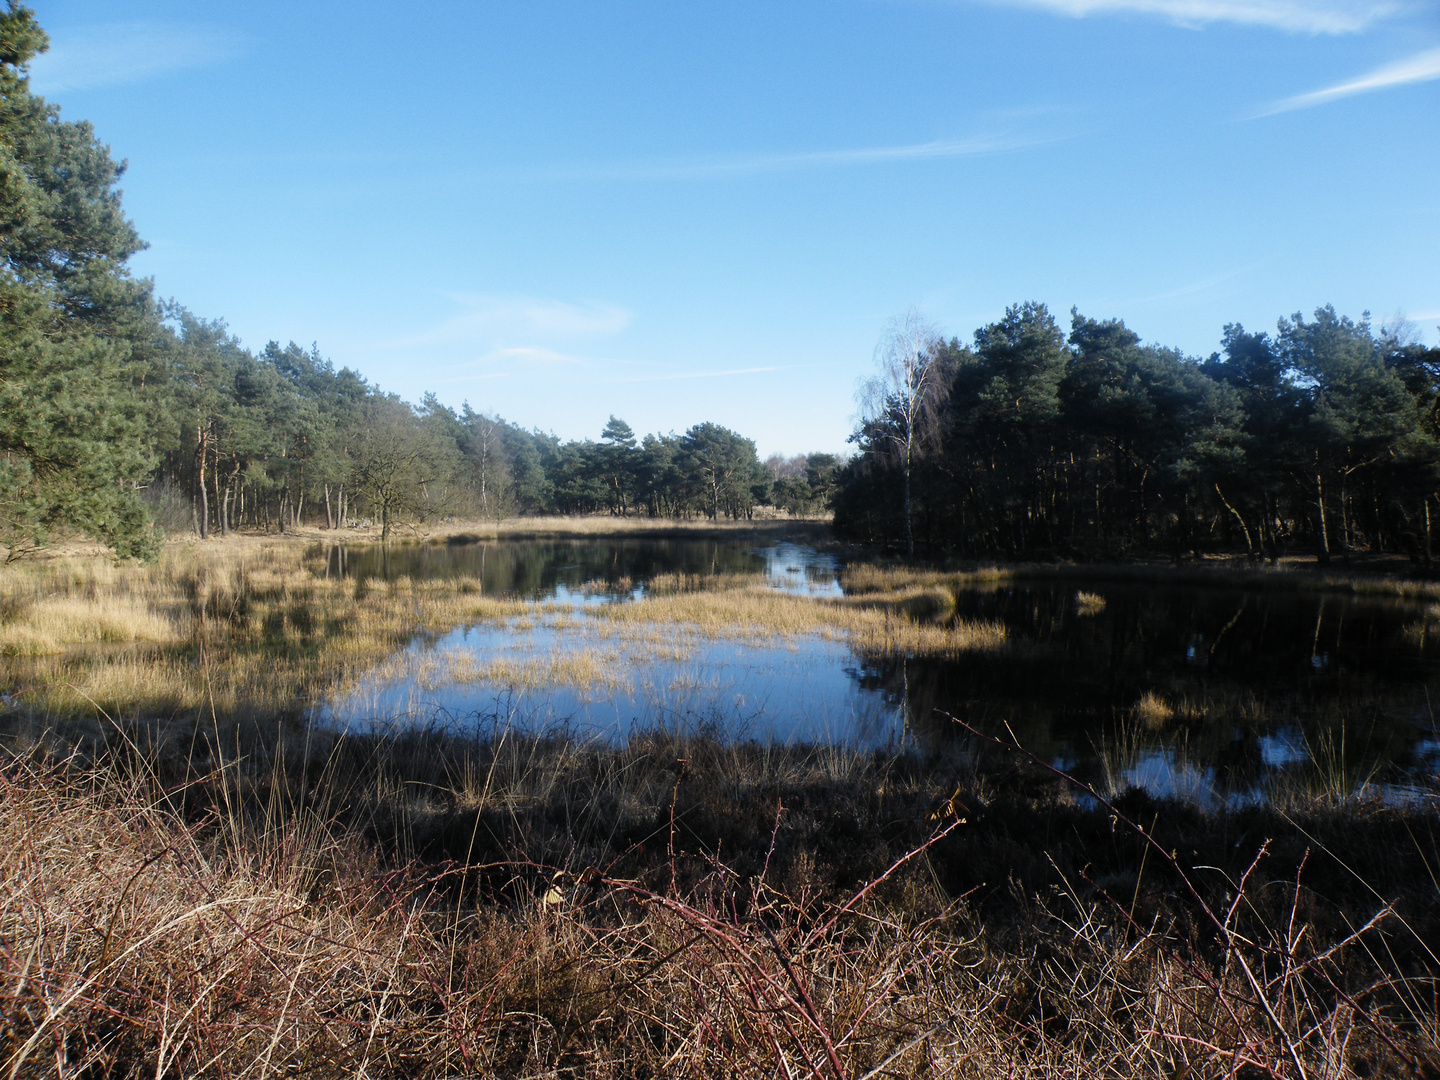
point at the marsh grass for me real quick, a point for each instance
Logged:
(585, 669)
(223, 628)
(913, 620)
(1153, 711)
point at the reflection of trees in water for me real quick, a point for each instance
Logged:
(1324, 686)
(530, 568)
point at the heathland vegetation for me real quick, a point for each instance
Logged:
(203, 881)
(198, 878)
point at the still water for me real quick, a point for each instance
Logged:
(1214, 695)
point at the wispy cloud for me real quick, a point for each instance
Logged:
(116, 54)
(593, 372)
(488, 320)
(667, 377)
(754, 164)
(529, 354)
(1297, 16)
(1422, 67)
(1203, 285)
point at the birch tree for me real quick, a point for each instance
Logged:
(901, 405)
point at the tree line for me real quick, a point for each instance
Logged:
(276, 439)
(1034, 442)
(120, 414)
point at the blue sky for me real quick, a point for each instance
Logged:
(709, 211)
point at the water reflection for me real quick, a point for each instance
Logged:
(1213, 695)
(554, 672)
(569, 570)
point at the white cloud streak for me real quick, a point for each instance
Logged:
(1422, 67)
(114, 55)
(530, 354)
(756, 164)
(489, 319)
(1296, 16)
(1201, 286)
(701, 374)
(594, 368)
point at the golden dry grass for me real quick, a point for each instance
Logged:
(56, 624)
(580, 668)
(910, 620)
(1294, 574)
(228, 628)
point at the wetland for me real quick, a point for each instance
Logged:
(1217, 689)
(1213, 692)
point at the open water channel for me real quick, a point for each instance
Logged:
(1211, 694)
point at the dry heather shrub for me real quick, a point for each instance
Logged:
(133, 943)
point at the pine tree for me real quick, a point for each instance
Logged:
(78, 335)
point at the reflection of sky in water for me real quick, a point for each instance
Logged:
(802, 570)
(1163, 776)
(1282, 747)
(565, 596)
(772, 689)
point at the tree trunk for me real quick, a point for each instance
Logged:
(1428, 550)
(329, 517)
(1323, 532)
(202, 445)
(219, 500)
(909, 528)
(1249, 543)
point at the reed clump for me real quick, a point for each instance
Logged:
(587, 669)
(1153, 711)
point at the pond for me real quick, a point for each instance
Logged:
(1217, 695)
